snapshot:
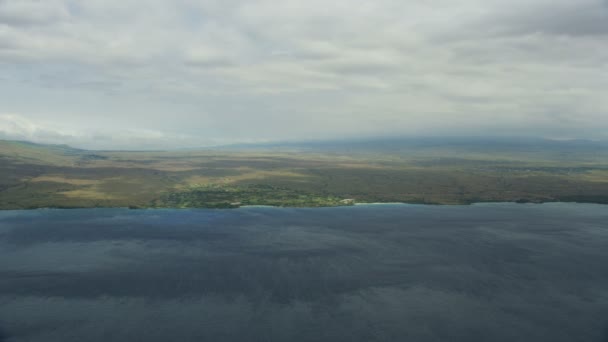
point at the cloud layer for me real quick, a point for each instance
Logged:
(241, 70)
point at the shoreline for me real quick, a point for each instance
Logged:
(358, 204)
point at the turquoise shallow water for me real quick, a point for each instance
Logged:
(486, 272)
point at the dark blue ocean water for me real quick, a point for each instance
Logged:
(492, 272)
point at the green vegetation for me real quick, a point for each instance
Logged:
(36, 176)
(222, 196)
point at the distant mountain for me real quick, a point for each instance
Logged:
(444, 146)
(392, 143)
(410, 146)
(32, 152)
(43, 153)
(28, 144)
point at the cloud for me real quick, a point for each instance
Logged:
(237, 70)
(566, 18)
(25, 13)
(18, 127)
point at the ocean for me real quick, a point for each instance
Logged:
(485, 272)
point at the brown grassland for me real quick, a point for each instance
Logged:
(41, 176)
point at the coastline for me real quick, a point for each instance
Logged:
(357, 204)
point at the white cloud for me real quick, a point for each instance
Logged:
(292, 69)
(18, 127)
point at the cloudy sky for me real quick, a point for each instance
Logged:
(179, 73)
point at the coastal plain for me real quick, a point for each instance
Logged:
(58, 176)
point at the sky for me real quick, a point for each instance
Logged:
(186, 73)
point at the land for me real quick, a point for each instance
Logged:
(305, 175)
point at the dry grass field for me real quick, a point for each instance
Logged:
(39, 176)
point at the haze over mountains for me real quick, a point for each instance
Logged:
(464, 143)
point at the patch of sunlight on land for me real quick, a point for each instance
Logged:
(599, 176)
(154, 165)
(88, 194)
(174, 167)
(115, 188)
(200, 180)
(366, 165)
(61, 179)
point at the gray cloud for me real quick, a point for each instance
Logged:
(241, 70)
(580, 18)
(32, 13)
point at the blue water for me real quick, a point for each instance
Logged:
(491, 272)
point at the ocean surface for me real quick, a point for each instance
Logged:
(487, 272)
